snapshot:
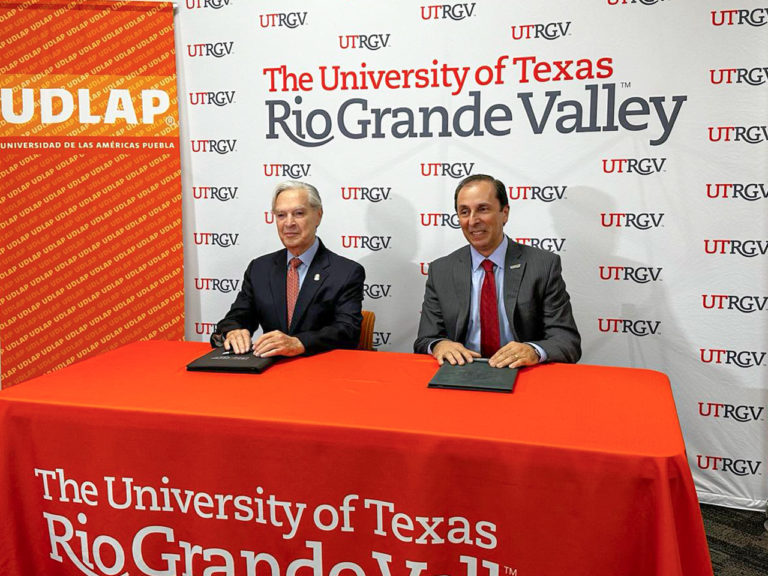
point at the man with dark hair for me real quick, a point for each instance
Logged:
(495, 298)
(306, 298)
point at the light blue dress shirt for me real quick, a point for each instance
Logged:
(306, 259)
(498, 256)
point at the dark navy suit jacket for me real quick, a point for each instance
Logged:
(328, 310)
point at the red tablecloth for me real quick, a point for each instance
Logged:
(342, 464)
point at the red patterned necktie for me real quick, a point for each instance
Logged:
(292, 287)
(489, 313)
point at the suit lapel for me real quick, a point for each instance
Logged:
(514, 267)
(462, 284)
(277, 286)
(318, 273)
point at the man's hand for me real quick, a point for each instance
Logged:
(239, 341)
(514, 355)
(453, 352)
(276, 343)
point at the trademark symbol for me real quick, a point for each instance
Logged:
(626, 84)
(510, 571)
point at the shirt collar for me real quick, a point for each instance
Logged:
(306, 257)
(497, 256)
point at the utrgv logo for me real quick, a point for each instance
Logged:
(740, 358)
(746, 248)
(374, 243)
(756, 17)
(455, 170)
(624, 326)
(440, 219)
(215, 4)
(293, 171)
(216, 49)
(220, 193)
(443, 11)
(284, 19)
(205, 327)
(641, 221)
(225, 285)
(642, 166)
(751, 76)
(376, 291)
(220, 146)
(381, 338)
(745, 304)
(739, 413)
(543, 193)
(639, 275)
(372, 194)
(221, 98)
(214, 239)
(748, 134)
(749, 192)
(551, 244)
(723, 464)
(366, 41)
(551, 31)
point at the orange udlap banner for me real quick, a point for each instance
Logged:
(90, 192)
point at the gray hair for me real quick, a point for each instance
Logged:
(313, 195)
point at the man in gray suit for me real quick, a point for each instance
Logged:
(495, 298)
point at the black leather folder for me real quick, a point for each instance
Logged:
(476, 375)
(220, 360)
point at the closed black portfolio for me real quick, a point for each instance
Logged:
(220, 360)
(476, 375)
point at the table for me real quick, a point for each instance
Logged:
(342, 464)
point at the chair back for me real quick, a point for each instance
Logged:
(366, 331)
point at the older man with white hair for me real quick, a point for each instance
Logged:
(306, 298)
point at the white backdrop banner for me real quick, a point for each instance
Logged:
(632, 136)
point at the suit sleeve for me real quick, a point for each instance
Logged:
(242, 313)
(344, 330)
(432, 323)
(561, 340)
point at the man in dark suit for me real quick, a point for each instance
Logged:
(305, 298)
(495, 298)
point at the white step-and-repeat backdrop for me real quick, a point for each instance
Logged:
(632, 136)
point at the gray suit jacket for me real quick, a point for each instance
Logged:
(537, 303)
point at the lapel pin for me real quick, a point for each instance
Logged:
(514, 266)
(317, 277)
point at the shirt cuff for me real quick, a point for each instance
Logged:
(540, 350)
